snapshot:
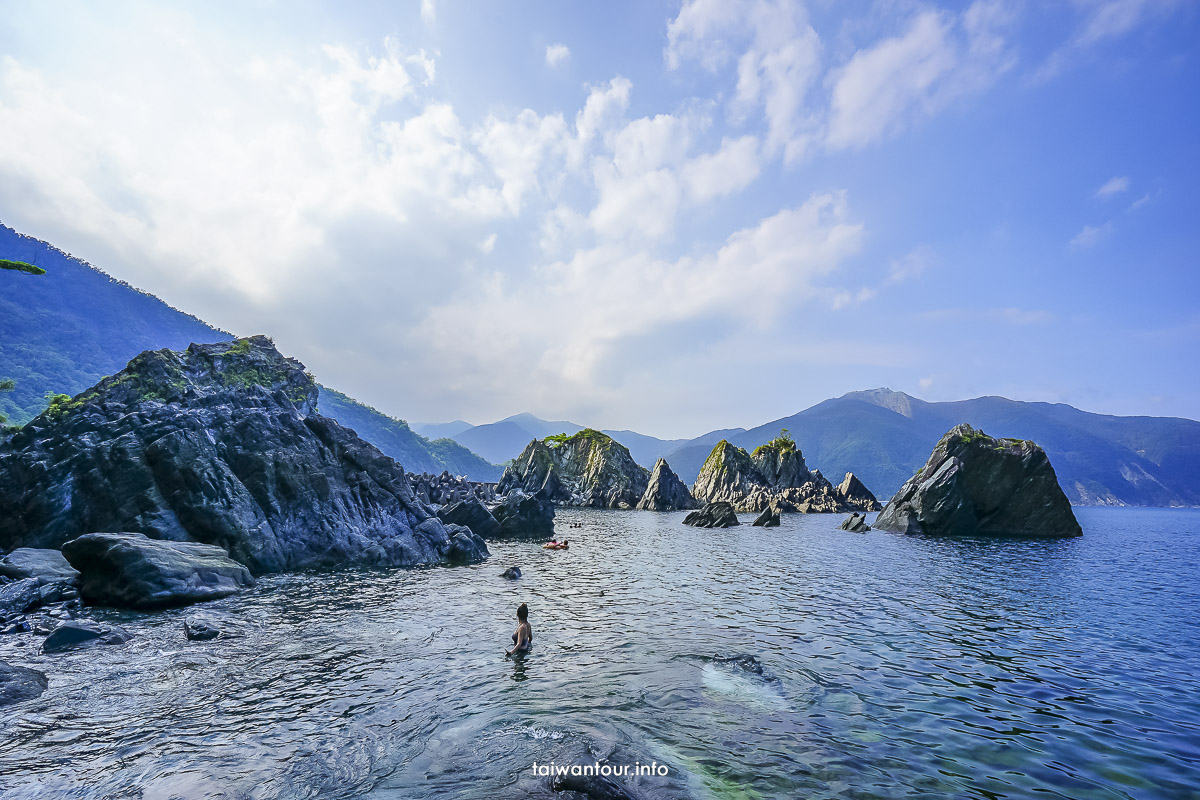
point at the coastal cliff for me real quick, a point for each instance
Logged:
(220, 444)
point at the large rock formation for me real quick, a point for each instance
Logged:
(525, 516)
(473, 514)
(588, 469)
(855, 495)
(665, 492)
(129, 570)
(220, 444)
(973, 484)
(775, 475)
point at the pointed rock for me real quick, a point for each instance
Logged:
(714, 515)
(856, 495)
(666, 492)
(974, 484)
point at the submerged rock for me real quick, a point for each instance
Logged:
(856, 495)
(512, 573)
(473, 514)
(587, 469)
(665, 491)
(525, 516)
(200, 630)
(974, 484)
(769, 518)
(18, 684)
(47, 566)
(130, 570)
(77, 633)
(855, 523)
(220, 444)
(713, 515)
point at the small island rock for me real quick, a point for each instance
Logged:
(974, 484)
(714, 515)
(665, 491)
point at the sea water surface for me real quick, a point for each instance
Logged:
(893, 666)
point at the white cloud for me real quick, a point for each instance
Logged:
(557, 54)
(1101, 21)
(428, 12)
(911, 265)
(1113, 186)
(940, 58)
(1090, 236)
(728, 170)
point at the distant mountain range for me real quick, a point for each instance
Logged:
(884, 437)
(63, 331)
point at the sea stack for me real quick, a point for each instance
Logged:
(666, 492)
(587, 469)
(974, 484)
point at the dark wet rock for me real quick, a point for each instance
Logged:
(713, 515)
(665, 491)
(473, 514)
(465, 546)
(18, 684)
(200, 630)
(587, 469)
(19, 596)
(769, 518)
(19, 625)
(130, 570)
(744, 662)
(512, 573)
(593, 787)
(77, 633)
(855, 523)
(525, 516)
(974, 484)
(48, 566)
(856, 495)
(220, 444)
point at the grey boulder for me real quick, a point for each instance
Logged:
(769, 518)
(48, 566)
(714, 515)
(131, 570)
(77, 633)
(473, 514)
(20, 683)
(855, 523)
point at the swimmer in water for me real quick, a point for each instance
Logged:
(523, 638)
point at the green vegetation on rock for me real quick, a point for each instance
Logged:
(21, 266)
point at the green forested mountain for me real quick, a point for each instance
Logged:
(63, 331)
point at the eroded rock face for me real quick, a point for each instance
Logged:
(665, 491)
(587, 469)
(130, 570)
(525, 516)
(856, 495)
(973, 484)
(220, 444)
(472, 514)
(714, 515)
(775, 475)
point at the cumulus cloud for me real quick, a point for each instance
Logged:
(557, 54)
(1113, 186)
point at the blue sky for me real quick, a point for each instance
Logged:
(650, 215)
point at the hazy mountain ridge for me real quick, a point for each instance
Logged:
(66, 330)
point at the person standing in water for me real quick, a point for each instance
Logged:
(523, 638)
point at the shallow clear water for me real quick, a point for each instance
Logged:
(895, 666)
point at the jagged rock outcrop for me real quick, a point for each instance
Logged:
(769, 518)
(856, 495)
(855, 523)
(472, 514)
(775, 475)
(974, 484)
(524, 516)
(714, 515)
(665, 491)
(130, 570)
(587, 469)
(220, 444)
